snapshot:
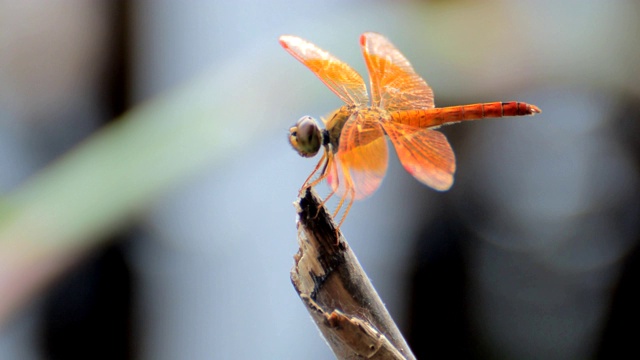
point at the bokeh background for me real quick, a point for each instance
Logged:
(147, 184)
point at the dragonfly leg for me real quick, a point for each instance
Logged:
(308, 183)
(340, 203)
(351, 196)
(350, 192)
(324, 202)
(330, 169)
(327, 198)
(345, 186)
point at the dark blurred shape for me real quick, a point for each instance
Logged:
(439, 324)
(88, 314)
(116, 79)
(620, 335)
(620, 331)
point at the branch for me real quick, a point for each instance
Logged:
(337, 292)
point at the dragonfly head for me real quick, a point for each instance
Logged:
(305, 136)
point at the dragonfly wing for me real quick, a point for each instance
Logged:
(426, 154)
(336, 74)
(362, 158)
(394, 83)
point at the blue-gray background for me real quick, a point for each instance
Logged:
(524, 258)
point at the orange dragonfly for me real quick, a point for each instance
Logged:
(355, 157)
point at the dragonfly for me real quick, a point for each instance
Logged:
(401, 106)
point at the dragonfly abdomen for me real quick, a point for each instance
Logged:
(425, 118)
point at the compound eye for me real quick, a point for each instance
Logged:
(307, 128)
(305, 136)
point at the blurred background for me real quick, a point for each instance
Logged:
(147, 183)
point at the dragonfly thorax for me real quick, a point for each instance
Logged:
(335, 122)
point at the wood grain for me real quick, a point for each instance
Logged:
(337, 292)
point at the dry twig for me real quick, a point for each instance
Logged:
(338, 293)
